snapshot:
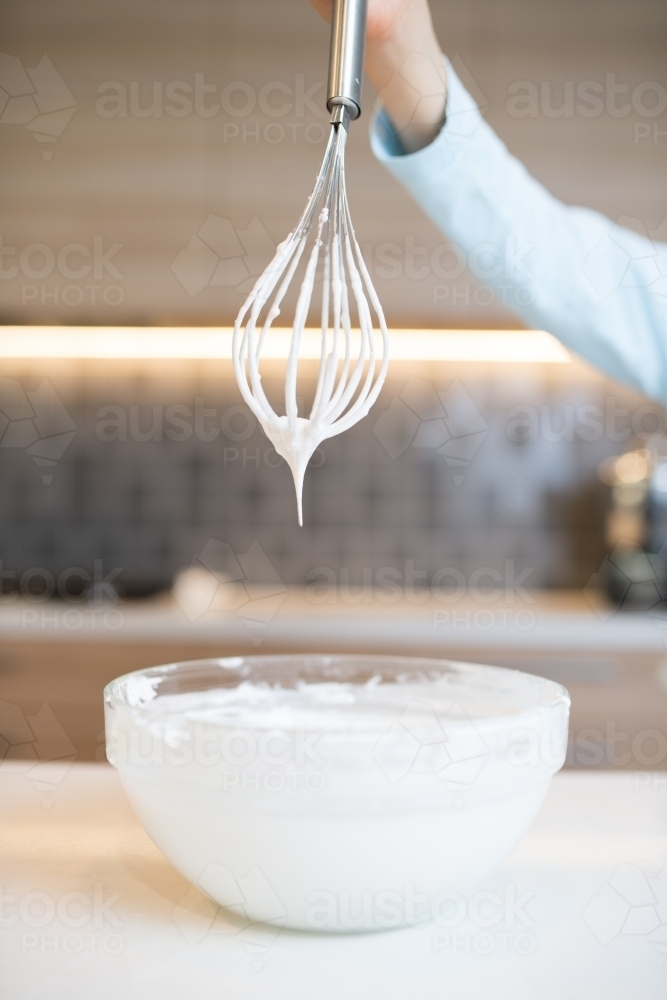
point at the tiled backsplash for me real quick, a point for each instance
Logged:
(449, 474)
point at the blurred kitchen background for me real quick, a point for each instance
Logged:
(512, 511)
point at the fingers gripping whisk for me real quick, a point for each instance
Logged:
(322, 254)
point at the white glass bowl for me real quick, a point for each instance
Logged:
(335, 793)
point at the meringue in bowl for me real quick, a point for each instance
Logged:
(335, 793)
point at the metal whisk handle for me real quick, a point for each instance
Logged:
(346, 56)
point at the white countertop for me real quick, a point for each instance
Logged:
(294, 617)
(587, 916)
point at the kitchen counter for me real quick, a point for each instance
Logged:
(613, 663)
(340, 618)
(90, 908)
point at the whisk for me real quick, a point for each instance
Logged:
(352, 362)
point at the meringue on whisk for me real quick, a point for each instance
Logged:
(322, 254)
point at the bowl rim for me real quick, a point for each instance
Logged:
(114, 691)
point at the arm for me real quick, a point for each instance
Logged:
(599, 287)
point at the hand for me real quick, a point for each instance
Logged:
(405, 64)
(383, 17)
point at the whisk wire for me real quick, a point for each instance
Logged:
(348, 380)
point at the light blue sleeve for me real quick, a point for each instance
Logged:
(596, 285)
